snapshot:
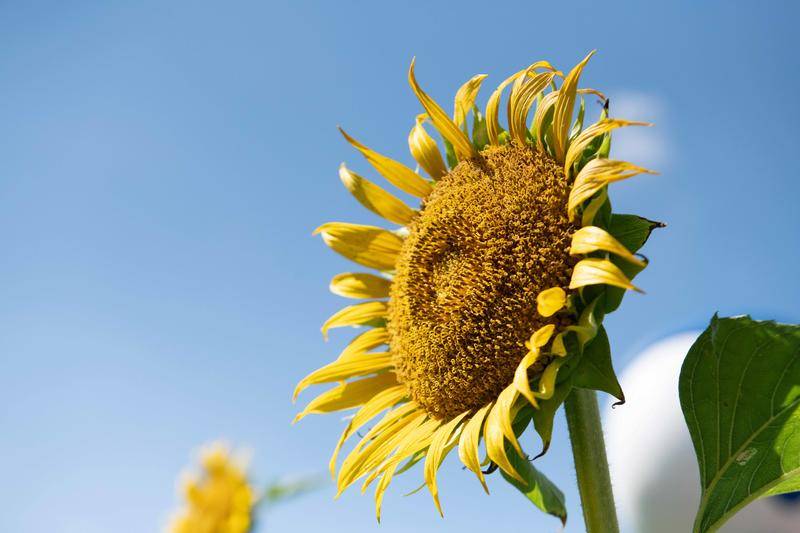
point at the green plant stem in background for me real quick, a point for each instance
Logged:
(591, 464)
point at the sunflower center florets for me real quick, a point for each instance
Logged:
(490, 237)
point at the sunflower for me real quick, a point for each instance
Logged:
(490, 295)
(219, 500)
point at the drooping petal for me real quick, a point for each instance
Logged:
(395, 172)
(365, 458)
(595, 175)
(341, 370)
(469, 441)
(372, 338)
(550, 301)
(521, 381)
(495, 434)
(591, 239)
(493, 106)
(416, 441)
(547, 383)
(375, 198)
(593, 271)
(565, 103)
(523, 94)
(425, 150)
(371, 408)
(436, 453)
(355, 315)
(465, 99)
(583, 140)
(442, 122)
(370, 246)
(349, 394)
(360, 285)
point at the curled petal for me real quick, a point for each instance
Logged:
(550, 301)
(595, 175)
(360, 285)
(395, 172)
(370, 246)
(583, 139)
(521, 381)
(523, 94)
(355, 315)
(593, 271)
(425, 150)
(442, 122)
(375, 198)
(465, 99)
(349, 394)
(562, 115)
(591, 239)
(495, 434)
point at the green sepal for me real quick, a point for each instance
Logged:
(450, 153)
(578, 125)
(503, 137)
(480, 137)
(595, 370)
(538, 489)
(543, 416)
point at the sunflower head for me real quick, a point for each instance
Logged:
(488, 303)
(218, 499)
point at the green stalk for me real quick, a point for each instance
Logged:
(591, 464)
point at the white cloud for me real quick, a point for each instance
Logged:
(643, 146)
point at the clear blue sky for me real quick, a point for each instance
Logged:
(163, 166)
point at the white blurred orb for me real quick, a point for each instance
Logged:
(652, 461)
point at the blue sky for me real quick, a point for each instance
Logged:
(163, 166)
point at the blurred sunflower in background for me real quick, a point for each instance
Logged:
(490, 295)
(219, 499)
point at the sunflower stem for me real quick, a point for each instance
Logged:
(591, 464)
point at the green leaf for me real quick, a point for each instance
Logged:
(595, 370)
(537, 487)
(632, 231)
(740, 395)
(543, 416)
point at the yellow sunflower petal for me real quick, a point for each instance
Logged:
(436, 453)
(550, 301)
(595, 175)
(547, 383)
(465, 99)
(593, 271)
(375, 198)
(493, 106)
(371, 408)
(494, 436)
(425, 150)
(414, 442)
(461, 143)
(370, 246)
(348, 395)
(521, 381)
(372, 338)
(558, 348)
(540, 114)
(523, 94)
(577, 146)
(355, 315)
(380, 490)
(366, 458)
(360, 285)
(395, 172)
(341, 370)
(469, 441)
(565, 103)
(591, 239)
